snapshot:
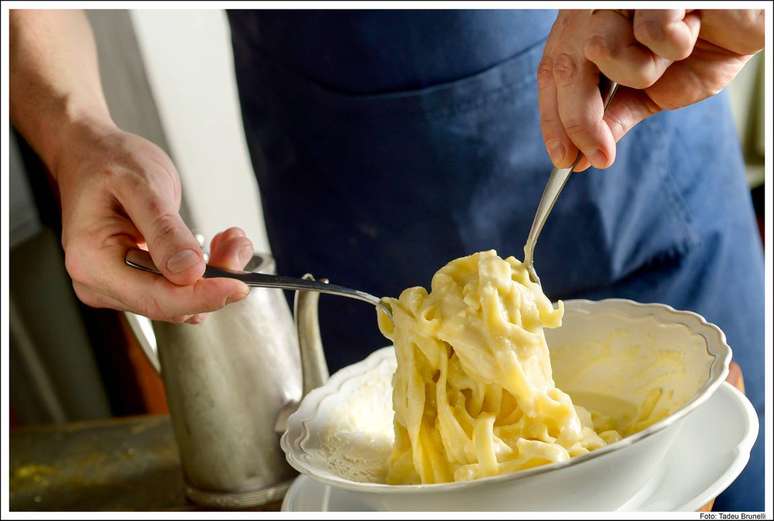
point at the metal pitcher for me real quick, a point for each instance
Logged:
(231, 383)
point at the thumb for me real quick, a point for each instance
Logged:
(172, 245)
(629, 107)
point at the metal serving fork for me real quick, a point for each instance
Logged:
(141, 260)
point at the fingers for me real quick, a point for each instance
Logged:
(735, 376)
(581, 108)
(571, 106)
(153, 208)
(231, 249)
(628, 108)
(737, 30)
(613, 48)
(95, 299)
(101, 279)
(636, 56)
(668, 33)
(560, 148)
(157, 298)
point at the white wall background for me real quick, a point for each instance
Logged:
(189, 65)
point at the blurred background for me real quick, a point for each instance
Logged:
(167, 75)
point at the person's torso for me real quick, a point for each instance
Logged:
(366, 52)
(387, 144)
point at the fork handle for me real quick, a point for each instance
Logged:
(141, 260)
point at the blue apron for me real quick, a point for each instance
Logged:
(388, 143)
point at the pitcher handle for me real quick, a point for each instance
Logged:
(142, 328)
(314, 369)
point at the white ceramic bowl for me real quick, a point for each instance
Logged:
(342, 432)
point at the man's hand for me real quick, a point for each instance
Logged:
(119, 191)
(662, 59)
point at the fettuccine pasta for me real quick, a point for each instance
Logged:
(473, 393)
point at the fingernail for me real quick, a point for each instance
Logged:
(597, 158)
(182, 261)
(556, 151)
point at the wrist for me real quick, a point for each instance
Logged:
(71, 129)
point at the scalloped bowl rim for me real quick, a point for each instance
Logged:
(718, 371)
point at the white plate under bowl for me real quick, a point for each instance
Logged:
(704, 460)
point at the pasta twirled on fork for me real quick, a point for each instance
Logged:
(473, 393)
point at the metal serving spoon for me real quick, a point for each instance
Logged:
(141, 260)
(554, 186)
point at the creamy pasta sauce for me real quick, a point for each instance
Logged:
(473, 393)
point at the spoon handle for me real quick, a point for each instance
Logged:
(141, 260)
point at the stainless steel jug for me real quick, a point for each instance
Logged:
(231, 383)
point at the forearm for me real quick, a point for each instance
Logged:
(54, 79)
